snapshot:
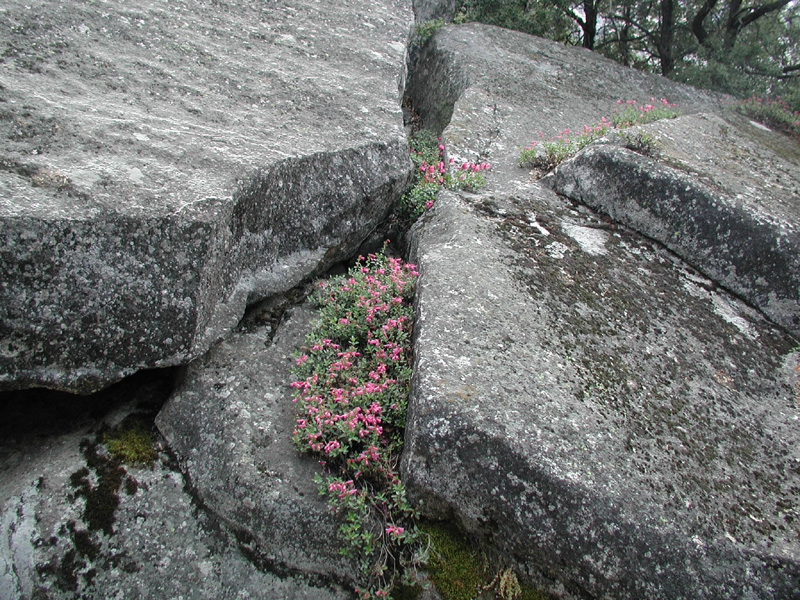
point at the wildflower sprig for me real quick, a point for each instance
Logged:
(630, 112)
(351, 395)
(433, 173)
(545, 155)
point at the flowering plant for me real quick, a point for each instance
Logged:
(351, 395)
(773, 113)
(433, 172)
(630, 113)
(545, 155)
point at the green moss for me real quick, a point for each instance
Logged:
(455, 567)
(131, 441)
(458, 569)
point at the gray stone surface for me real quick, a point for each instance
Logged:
(597, 409)
(164, 163)
(230, 423)
(162, 543)
(724, 194)
(612, 421)
(495, 90)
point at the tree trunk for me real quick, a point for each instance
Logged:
(733, 24)
(667, 36)
(590, 23)
(698, 27)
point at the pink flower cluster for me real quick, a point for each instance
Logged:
(344, 488)
(341, 408)
(664, 102)
(437, 173)
(351, 392)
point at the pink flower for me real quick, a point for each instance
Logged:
(395, 531)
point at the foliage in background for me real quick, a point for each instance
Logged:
(432, 173)
(544, 19)
(545, 155)
(351, 396)
(739, 47)
(772, 113)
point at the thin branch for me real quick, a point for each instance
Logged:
(754, 14)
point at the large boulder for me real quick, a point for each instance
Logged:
(613, 421)
(724, 194)
(617, 426)
(164, 164)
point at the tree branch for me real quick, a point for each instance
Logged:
(753, 14)
(698, 28)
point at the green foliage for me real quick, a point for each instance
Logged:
(535, 17)
(432, 173)
(545, 155)
(631, 113)
(425, 30)
(772, 113)
(639, 142)
(756, 60)
(352, 392)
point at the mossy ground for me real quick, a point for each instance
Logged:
(460, 571)
(131, 441)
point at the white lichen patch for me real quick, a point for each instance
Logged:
(591, 240)
(557, 250)
(721, 306)
(729, 313)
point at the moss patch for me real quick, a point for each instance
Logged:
(459, 571)
(455, 567)
(131, 441)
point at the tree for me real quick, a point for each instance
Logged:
(742, 47)
(587, 21)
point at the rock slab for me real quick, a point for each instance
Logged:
(230, 423)
(597, 411)
(161, 544)
(164, 164)
(607, 416)
(722, 193)
(496, 91)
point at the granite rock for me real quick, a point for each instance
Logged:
(230, 424)
(608, 418)
(596, 410)
(723, 193)
(164, 164)
(159, 541)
